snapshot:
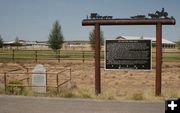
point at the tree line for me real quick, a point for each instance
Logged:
(56, 38)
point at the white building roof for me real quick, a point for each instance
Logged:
(9, 42)
(164, 41)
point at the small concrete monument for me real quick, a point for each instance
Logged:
(39, 79)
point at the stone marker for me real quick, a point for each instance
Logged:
(39, 78)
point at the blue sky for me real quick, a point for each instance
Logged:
(33, 19)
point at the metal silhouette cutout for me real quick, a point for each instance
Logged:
(97, 16)
(159, 14)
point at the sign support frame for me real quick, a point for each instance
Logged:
(158, 22)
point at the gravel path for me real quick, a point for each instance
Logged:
(18, 104)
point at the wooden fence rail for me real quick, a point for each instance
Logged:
(38, 55)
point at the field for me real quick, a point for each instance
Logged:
(37, 55)
(120, 85)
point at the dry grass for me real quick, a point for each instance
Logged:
(119, 85)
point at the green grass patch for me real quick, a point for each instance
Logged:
(171, 57)
(70, 54)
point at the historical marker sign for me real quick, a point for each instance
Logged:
(156, 20)
(128, 54)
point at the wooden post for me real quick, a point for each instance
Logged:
(13, 54)
(59, 56)
(158, 58)
(46, 81)
(83, 56)
(28, 77)
(57, 82)
(5, 82)
(97, 60)
(36, 56)
(70, 75)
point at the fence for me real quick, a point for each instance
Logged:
(38, 55)
(13, 79)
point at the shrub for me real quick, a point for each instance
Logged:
(15, 87)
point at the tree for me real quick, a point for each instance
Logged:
(92, 39)
(17, 42)
(178, 44)
(56, 38)
(1, 42)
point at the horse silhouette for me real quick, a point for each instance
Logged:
(162, 13)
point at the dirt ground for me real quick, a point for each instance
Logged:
(119, 84)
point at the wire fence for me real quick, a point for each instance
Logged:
(18, 79)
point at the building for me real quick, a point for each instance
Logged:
(43, 45)
(76, 45)
(22, 44)
(165, 43)
(14, 44)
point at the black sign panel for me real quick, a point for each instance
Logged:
(128, 54)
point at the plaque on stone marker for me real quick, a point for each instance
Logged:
(39, 79)
(128, 54)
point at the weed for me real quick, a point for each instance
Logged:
(86, 95)
(137, 96)
(15, 87)
(1, 89)
(69, 95)
(106, 96)
(169, 93)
